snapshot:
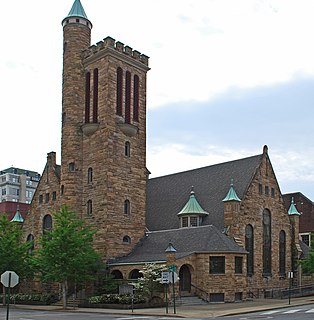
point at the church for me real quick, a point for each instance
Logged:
(224, 227)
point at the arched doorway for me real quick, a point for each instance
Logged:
(185, 280)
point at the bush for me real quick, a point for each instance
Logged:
(115, 299)
(44, 298)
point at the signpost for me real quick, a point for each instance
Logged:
(9, 279)
(290, 277)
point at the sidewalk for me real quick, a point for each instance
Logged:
(211, 310)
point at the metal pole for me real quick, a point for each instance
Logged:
(166, 286)
(174, 294)
(8, 301)
(290, 288)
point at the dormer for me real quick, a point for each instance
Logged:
(192, 213)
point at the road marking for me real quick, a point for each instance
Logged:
(271, 312)
(292, 311)
(310, 311)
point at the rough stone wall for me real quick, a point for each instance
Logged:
(49, 184)
(256, 200)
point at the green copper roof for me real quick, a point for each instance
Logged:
(77, 10)
(17, 217)
(192, 207)
(232, 195)
(293, 210)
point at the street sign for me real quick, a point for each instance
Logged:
(9, 278)
(173, 277)
(172, 268)
(165, 277)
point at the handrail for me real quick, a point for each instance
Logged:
(204, 294)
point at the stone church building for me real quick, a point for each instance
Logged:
(229, 232)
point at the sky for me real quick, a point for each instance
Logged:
(227, 77)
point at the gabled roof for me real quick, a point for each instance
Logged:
(205, 239)
(166, 195)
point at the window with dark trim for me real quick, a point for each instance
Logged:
(282, 253)
(89, 207)
(260, 188)
(40, 199)
(62, 190)
(136, 98)
(266, 243)
(127, 97)
(249, 247)
(119, 91)
(47, 223)
(238, 264)
(267, 190)
(126, 239)
(47, 197)
(90, 175)
(216, 265)
(273, 192)
(71, 167)
(30, 239)
(127, 149)
(54, 195)
(95, 96)
(126, 209)
(87, 97)
(185, 222)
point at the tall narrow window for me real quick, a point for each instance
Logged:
(87, 97)
(47, 223)
(119, 91)
(136, 98)
(127, 97)
(95, 97)
(30, 240)
(266, 243)
(126, 207)
(90, 175)
(89, 209)
(282, 253)
(127, 149)
(249, 247)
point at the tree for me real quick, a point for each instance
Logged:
(149, 284)
(14, 252)
(66, 254)
(308, 263)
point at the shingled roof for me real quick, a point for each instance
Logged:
(205, 239)
(167, 195)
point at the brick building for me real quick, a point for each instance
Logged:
(232, 233)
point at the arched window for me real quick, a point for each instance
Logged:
(90, 175)
(282, 253)
(126, 239)
(47, 223)
(266, 243)
(95, 97)
(136, 96)
(117, 274)
(135, 274)
(127, 149)
(119, 91)
(127, 97)
(87, 97)
(30, 240)
(249, 247)
(126, 207)
(89, 209)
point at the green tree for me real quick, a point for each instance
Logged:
(66, 254)
(308, 263)
(14, 252)
(150, 284)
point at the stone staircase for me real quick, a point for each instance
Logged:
(71, 303)
(191, 301)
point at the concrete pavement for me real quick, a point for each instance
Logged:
(211, 310)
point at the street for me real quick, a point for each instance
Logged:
(301, 312)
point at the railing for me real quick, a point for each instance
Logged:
(293, 292)
(201, 293)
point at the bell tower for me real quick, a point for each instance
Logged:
(103, 161)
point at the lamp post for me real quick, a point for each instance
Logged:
(170, 253)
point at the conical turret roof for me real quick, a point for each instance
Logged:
(17, 217)
(231, 195)
(292, 209)
(192, 207)
(77, 11)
